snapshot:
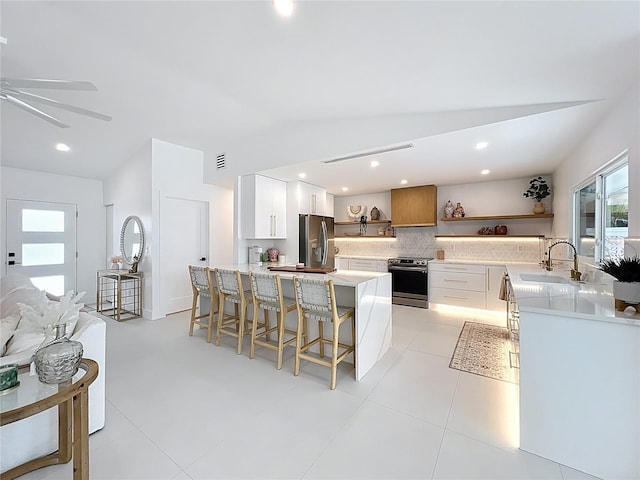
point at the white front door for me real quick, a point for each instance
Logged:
(41, 243)
(184, 241)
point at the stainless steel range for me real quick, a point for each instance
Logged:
(409, 281)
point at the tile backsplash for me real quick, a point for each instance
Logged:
(421, 242)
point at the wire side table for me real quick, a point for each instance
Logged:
(119, 294)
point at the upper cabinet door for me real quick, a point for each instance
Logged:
(414, 206)
(311, 199)
(263, 207)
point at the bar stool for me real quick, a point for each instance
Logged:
(316, 300)
(267, 295)
(202, 285)
(230, 290)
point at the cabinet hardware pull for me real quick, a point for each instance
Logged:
(455, 281)
(459, 298)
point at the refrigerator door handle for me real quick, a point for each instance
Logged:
(325, 242)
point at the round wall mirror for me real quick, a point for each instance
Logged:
(132, 240)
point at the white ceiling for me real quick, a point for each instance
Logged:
(334, 79)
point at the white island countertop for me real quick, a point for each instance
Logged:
(346, 278)
(589, 301)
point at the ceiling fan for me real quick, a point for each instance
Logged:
(11, 92)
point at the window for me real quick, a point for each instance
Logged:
(601, 211)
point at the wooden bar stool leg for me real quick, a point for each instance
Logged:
(334, 354)
(301, 325)
(267, 323)
(252, 349)
(194, 303)
(210, 326)
(280, 319)
(220, 317)
(240, 328)
(321, 333)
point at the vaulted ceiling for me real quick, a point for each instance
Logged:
(282, 94)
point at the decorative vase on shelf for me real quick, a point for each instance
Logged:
(375, 214)
(448, 209)
(459, 211)
(538, 208)
(58, 360)
(115, 266)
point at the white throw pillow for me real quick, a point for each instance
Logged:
(22, 341)
(7, 328)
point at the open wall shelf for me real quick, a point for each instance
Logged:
(498, 217)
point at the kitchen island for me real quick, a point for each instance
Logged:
(579, 374)
(368, 292)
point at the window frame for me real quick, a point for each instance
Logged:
(618, 162)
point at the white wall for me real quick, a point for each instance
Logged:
(86, 194)
(177, 172)
(380, 200)
(162, 169)
(619, 131)
(501, 197)
(129, 191)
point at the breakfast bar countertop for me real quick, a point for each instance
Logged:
(541, 293)
(347, 278)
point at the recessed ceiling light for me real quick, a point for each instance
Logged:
(403, 182)
(481, 145)
(345, 189)
(485, 172)
(302, 175)
(374, 163)
(62, 147)
(284, 7)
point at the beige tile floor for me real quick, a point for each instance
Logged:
(179, 408)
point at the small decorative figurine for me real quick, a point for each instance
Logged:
(448, 209)
(459, 211)
(375, 214)
(134, 265)
(273, 253)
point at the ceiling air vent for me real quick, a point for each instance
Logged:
(221, 161)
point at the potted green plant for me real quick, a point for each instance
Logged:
(538, 190)
(626, 286)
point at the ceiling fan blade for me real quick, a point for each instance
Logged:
(64, 106)
(25, 106)
(45, 83)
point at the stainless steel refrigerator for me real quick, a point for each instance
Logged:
(316, 241)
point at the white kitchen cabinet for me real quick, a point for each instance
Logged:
(362, 264)
(494, 279)
(263, 206)
(311, 199)
(461, 285)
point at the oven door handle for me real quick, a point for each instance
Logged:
(402, 269)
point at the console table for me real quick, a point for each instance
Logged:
(119, 294)
(72, 399)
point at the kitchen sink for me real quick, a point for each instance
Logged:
(543, 278)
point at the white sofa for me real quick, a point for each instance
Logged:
(37, 436)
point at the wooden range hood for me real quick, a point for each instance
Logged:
(414, 206)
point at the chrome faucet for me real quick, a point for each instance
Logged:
(575, 274)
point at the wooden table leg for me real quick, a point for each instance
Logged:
(81, 435)
(65, 441)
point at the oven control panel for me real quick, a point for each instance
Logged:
(408, 261)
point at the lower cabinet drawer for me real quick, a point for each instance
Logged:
(458, 298)
(461, 281)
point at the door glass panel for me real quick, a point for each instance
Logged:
(42, 254)
(616, 212)
(53, 284)
(585, 199)
(42, 221)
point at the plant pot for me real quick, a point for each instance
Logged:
(626, 294)
(538, 208)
